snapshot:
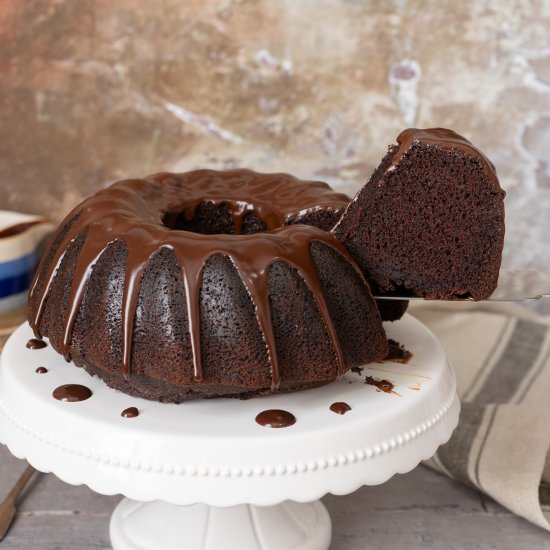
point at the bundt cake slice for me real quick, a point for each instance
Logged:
(430, 220)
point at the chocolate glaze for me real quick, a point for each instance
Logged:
(72, 393)
(36, 343)
(442, 137)
(340, 407)
(130, 412)
(17, 229)
(134, 211)
(383, 385)
(41, 370)
(275, 418)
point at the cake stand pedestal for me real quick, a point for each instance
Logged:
(204, 475)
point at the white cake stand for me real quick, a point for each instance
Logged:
(204, 475)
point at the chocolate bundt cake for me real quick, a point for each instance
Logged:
(207, 284)
(430, 220)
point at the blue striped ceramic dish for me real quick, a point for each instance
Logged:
(21, 236)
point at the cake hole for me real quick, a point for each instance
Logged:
(209, 218)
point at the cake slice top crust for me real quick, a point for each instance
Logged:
(440, 137)
(430, 220)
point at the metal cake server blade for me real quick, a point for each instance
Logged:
(513, 286)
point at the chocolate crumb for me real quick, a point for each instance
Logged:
(382, 385)
(397, 353)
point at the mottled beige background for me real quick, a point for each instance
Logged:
(93, 91)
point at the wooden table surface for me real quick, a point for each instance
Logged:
(420, 509)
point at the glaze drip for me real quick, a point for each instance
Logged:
(383, 385)
(36, 343)
(441, 137)
(340, 408)
(132, 211)
(72, 393)
(276, 418)
(130, 412)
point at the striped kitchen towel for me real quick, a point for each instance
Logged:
(501, 356)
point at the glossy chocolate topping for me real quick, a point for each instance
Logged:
(441, 137)
(72, 393)
(36, 343)
(41, 370)
(340, 407)
(134, 211)
(130, 412)
(17, 229)
(276, 418)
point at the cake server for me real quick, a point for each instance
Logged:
(513, 286)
